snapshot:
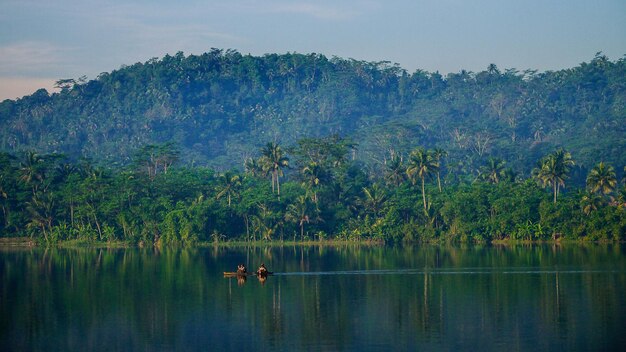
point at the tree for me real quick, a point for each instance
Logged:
(265, 221)
(438, 155)
(602, 179)
(494, 171)
(41, 209)
(395, 172)
(553, 170)
(274, 161)
(154, 158)
(253, 167)
(421, 165)
(32, 170)
(301, 212)
(229, 186)
(314, 175)
(374, 199)
(590, 202)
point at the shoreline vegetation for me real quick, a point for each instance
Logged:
(21, 242)
(311, 194)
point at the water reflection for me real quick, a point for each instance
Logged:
(319, 298)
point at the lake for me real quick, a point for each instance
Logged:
(343, 298)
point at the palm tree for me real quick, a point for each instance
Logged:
(374, 200)
(438, 155)
(314, 175)
(590, 202)
(395, 172)
(602, 179)
(4, 196)
(494, 171)
(230, 184)
(553, 170)
(301, 212)
(273, 161)
(264, 221)
(31, 170)
(41, 213)
(421, 165)
(253, 167)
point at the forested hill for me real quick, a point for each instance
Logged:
(221, 106)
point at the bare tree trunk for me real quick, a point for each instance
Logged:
(247, 222)
(424, 194)
(439, 182)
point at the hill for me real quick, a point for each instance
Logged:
(221, 107)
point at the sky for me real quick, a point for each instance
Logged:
(42, 41)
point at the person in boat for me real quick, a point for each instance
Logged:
(262, 271)
(241, 269)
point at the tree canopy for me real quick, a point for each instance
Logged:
(220, 106)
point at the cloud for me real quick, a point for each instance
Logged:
(323, 12)
(29, 58)
(156, 31)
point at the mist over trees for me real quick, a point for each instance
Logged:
(221, 106)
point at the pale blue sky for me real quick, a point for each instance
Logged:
(42, 41)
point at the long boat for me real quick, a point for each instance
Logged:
(234, 274)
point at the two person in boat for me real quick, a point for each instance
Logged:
(261, 271)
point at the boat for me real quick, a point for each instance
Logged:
(234, 274)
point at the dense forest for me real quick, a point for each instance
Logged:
(314, 192)
(222, 106)
(226, 146)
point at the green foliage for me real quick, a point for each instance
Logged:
(67, 202)
(437, 159)
(215, 108)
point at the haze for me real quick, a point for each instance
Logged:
(41, 42)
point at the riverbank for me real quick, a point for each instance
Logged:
(28, 242)
(16, 242)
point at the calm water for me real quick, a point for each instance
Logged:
(550, 298)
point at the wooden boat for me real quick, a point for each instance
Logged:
(235, 274)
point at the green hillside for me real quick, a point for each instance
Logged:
(220, 107)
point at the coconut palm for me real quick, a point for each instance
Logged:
(395, 172)
(602, 179)
(229, 186)
(301, 212)
(274, 160)
(590, 202)
(253, 167)
(31, 170)
(438, 155)
(553, 170)
(494, 171)
(314, 175)
(41, 209)
(421, 165)
(374, 199)
(264, 221)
